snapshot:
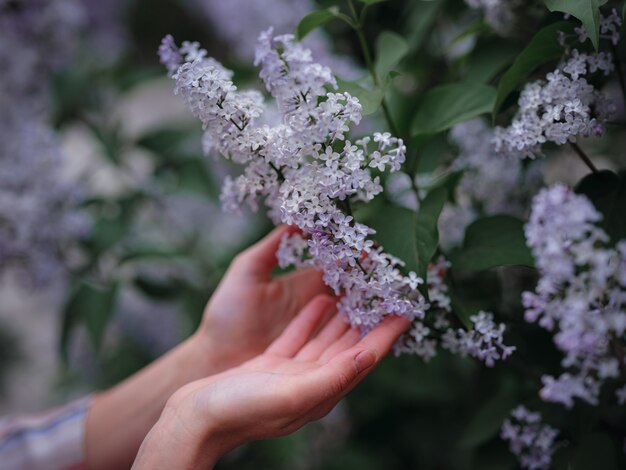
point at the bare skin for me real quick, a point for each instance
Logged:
(299, 378)
(247, 312)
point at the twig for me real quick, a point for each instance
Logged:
(583, 156)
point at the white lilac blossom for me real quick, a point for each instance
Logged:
(239, 22)
(581, 293)
(499, 14)
(562, 107)
(308, 174)
(532, 442)
(490, 184)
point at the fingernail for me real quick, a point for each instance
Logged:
(364, 360)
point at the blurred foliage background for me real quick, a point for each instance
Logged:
(157, 243)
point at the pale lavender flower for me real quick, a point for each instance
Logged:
(532, 442)
(304, 169)
(558, 109)
(485, 341)
(39, 218)
(581, 294)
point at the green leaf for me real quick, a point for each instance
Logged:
(542, 48)
(370, 99)
(493, 241)
(92, 306)
(426, 231)
(395, 231)
(314, 20)
(391, 48)
(489, 60)
(595, 451)
(157, 288)
(445, 106)
(163, 141)
(423, 17)
(607, 192)
(587, 11)
(487, 421)
(371, 2)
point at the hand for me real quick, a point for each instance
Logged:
(250, 309)
(299, 378)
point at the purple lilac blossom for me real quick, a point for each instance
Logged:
(39, 219)
(581, 293)
(308, 174)
(532, 442)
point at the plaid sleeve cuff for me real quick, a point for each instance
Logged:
(50, 441)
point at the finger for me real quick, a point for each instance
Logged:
(384, 335)
(260, 259)
(331, 332)
(330, 382)
(347, 340)
(302, 326)
(305, 284)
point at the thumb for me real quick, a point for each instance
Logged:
(260, 259)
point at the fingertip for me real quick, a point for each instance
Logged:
(365, 359)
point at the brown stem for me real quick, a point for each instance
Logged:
(583, 156)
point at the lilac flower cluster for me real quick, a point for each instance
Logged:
(38, 209)
(239, 23)
(484, 342)
(309, 174)
(531, 441)
(559, 109)
(581, 295)
(304, 168)
(491, 184)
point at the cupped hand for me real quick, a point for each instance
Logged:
(250, 307)
(299, 378)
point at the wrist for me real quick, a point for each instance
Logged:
(172, 444)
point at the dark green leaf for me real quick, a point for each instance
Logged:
(372, 2)
(489, 60)
(395, 232)
(370, 99)
(314, 20)
(607, 192)
(426, 231)
(487, 421)
(92, 306)
(445, 106)
(157, 288)
(595, 451)
(543, 47)
(163, 141)
(422, 20)
(587, 11)
(493, 241)
(391, 48)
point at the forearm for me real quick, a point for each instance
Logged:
(120, 418)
